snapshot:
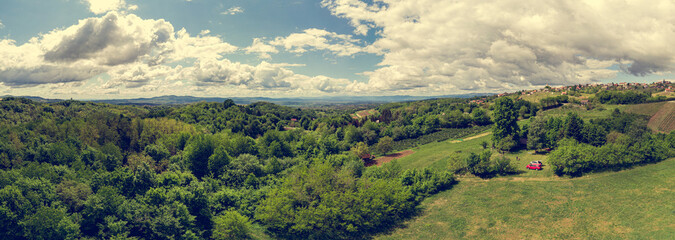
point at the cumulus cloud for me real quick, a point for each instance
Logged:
(233, 11)
(145, 56)
(110, 40)
(264, 76)
(449, 45)
(128, 48)
(104, 6)
(1, 25)
(261, 48)
(318, 40)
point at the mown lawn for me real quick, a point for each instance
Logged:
(438, 154)
(630, 204)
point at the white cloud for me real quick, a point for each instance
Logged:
(448, 45)
(233, 11)
(262, 77)
(142, 57)
(318, 40)
(103, 6)
(113, 43)
(1, 25)
(261, 48)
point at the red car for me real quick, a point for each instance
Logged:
(534, 165)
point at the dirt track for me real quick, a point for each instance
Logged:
(472, 137)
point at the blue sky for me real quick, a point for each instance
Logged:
(95, 49)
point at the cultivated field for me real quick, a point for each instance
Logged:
(664, 119)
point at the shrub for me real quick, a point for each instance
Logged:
(231, 225)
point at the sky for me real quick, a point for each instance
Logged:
(105, 49)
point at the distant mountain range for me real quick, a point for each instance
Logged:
(301, 101)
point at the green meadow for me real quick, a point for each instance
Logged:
(635, 203)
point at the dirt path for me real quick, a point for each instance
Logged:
(472, 137)
(388, 158)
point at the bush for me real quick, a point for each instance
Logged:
(502, 166)
(424, 182)
(231, 225)
(573, 158)
(321, 202)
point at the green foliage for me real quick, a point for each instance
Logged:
(485, 166)
(537, 137)
(425, 182)
(321, 202)
(361, 150)
(501, 165)
(218, 161)
(197, 153)
(385, 145)
(573, 127)
(157, 151)
(506, 144)
(73, 194)
(553, 102)
(50, 223)
(505, 118)
(574, 158)
(240, 169)
(273, 145)
(479, 164)
(622, 97)
(231, 225)
(480, 117)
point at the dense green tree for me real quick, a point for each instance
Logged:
(218, 161)
(50, 223)
(197, 153)
(319, 203)
(158, 152)
(385, 145)
(594, 134)
(537, 137)
(574, 126)
(505, 119)
(479, 164)
(231, 225)
(480, 117)
(361, 150)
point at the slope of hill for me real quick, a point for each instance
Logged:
(630, 204)
(664, 119)
(662, 115)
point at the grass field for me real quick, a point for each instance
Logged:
(536, 97)
(364, 113)
(631, 204)
(648, 109)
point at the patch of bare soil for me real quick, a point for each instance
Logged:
(388, 158)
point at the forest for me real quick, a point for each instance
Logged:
(87, 170)
(211, 170)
